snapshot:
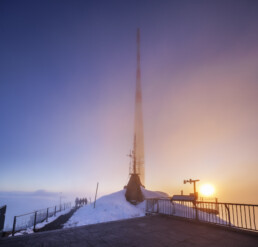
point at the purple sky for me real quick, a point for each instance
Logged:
(67, 81)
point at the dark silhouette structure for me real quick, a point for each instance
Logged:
(133, 190)
(2, 217)
(137, 177)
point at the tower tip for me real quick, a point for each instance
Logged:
(138, 35)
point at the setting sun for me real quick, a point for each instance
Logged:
(207, 190)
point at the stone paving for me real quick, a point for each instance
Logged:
(145, 231)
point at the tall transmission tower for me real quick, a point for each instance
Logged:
(137, 174)
(138, 143)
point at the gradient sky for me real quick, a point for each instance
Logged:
(67, 81)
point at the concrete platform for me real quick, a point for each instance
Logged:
(145, 231)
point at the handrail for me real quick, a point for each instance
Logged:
(38, 210)
(229, 203)
(37, 216)
(233, 215)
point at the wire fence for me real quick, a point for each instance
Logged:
(239, 216)
(24, 221)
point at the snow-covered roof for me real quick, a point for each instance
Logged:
(183, 198)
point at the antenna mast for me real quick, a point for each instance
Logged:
(133, 192)
(138, 145)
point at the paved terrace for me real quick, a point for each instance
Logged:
(145, 231)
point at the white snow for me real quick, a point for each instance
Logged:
(115, 207)
(110, 208)
(153, 194)
(40, 225)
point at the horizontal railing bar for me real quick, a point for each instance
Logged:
(232, 215)
(58, 206)
(229, 203)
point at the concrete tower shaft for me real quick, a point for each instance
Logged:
(138, 120)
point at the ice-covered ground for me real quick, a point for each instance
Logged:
(109, 208)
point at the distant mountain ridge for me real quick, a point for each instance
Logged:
(40, 192)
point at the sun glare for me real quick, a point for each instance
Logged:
(207, 190)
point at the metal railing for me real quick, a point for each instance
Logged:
(233, 215)
(24, 221)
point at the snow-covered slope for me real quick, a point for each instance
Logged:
(109, 208)
(153, 194)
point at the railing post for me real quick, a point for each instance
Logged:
(55, 210)
(196, 211)
(14, 224)
(216, 205)
(35, 221)
(47, 215)
(229, 221)
(173, 208)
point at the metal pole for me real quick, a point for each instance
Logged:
(47, 215)
(35, 221)
(60, 200)
(14, 224)
(196, 210)
(96, 194)
(55, 210)
(229, 221)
